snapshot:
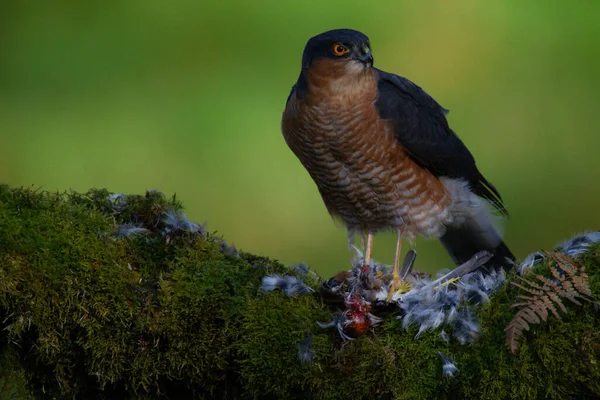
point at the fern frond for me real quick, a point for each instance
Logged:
(548, 283)
(557, 275)
(523, 297)
(550, 306)
(556, 300)
(532, 284)
(519, 305)
(525, 288)
(515, 329)
(565, 263)
(544, 295)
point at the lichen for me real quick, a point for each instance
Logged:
(115, 296)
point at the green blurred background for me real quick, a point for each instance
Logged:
(186, 97)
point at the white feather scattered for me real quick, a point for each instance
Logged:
(449, 369)
(429, 307)
(444, 336)
(290, 285)
(305, 353)
(578, 244)
(573, 247)
(341, 323)
(130, 230)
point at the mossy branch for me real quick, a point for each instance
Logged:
(111, 296)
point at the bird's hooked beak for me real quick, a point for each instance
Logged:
(365, 56)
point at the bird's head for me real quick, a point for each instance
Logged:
(341, 47)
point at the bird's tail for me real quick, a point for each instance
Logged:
(475, 234)
(473, 229)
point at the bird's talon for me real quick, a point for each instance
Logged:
(394, 287)
(398, 286)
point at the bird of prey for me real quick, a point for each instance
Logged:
(383, 156)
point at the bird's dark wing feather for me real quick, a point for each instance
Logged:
(421, 127)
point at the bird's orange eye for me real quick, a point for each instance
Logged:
(339, 49)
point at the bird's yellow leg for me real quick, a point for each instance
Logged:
(396, 283)
(363, 240)
(369, 248)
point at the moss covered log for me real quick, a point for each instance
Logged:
(106, 296)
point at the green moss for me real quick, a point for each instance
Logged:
(273, 326)
(555, 359)
(13, 377)
(171, 312)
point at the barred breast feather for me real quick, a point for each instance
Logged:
(364, 175)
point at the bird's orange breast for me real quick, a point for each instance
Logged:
(364, 175)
